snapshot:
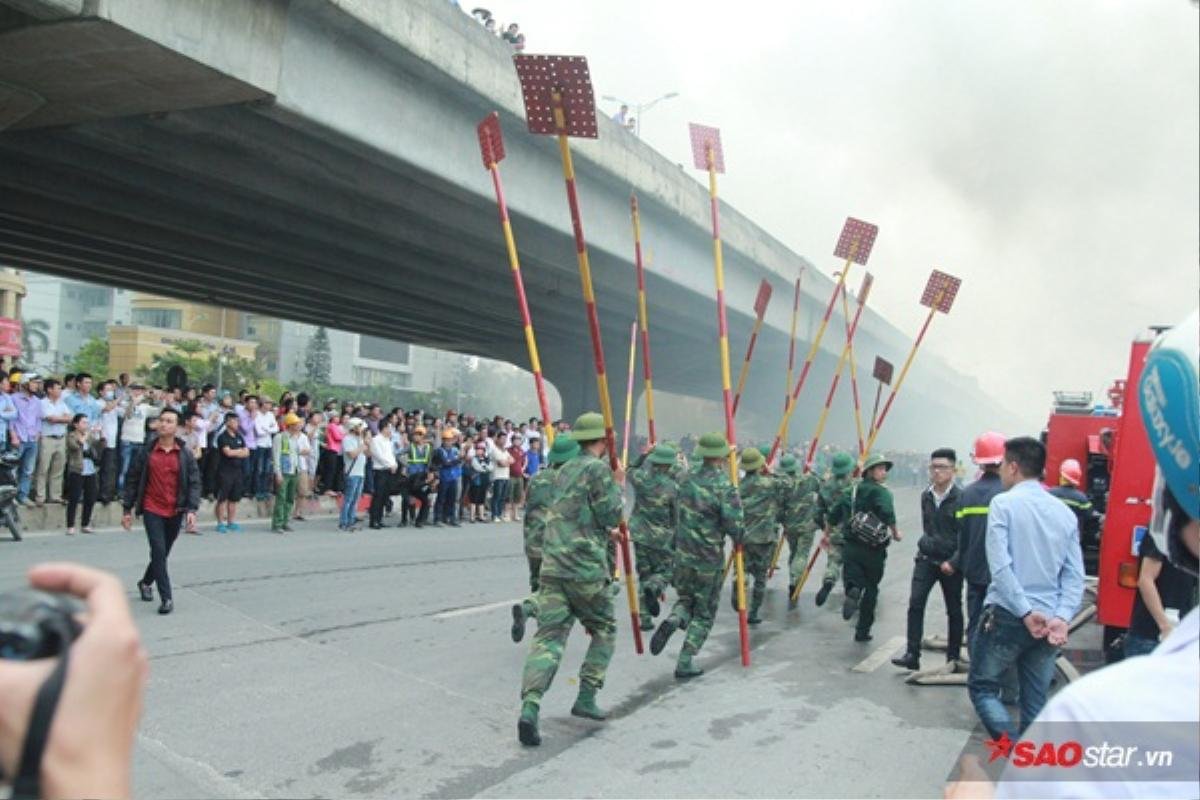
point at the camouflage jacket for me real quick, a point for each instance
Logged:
(709, 510)
(764, 499)
(833, 501)
(586, 506)
(655, 510)
(538, 499)
(800, 509)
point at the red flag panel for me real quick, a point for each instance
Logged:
(491, 143)
(941, 289)
(540, 75)
(883, 370)
(704, 137)
(856, 241)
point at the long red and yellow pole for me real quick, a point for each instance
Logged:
(629, 394)
(875, 408)
(853, 373)
(837, 374)
(787, 386)
(808, 360)
(514, 262)
(760, 311)
(593, 318)
(643, 319)
(727, 396)
(900, 380)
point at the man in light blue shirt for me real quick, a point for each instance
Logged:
(1034, 556)
(81, 401)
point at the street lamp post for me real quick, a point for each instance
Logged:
(642, 108)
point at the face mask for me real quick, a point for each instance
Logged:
(109, 395)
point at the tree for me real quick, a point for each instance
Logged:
(92, 358)
(35, 337)
(200, 363)
(318, 361)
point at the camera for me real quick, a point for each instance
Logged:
(36, 624)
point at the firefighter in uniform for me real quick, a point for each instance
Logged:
(1070, 478)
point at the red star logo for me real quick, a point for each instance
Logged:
(999, 748)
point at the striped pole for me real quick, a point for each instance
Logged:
(837, 374)
(787, 386)
(589, 300)
(760, 311)
(629, 395)
(853, 373)
(804, 576)
(643, 319)
(875, 409)
(808, 360)
(887, 406)
(488, 128)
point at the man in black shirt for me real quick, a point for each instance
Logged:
(1162, 588)
(940, 503)
(230, 471)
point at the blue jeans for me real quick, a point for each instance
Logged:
(997, 647)
(447, 502)
(25, 469)
(350, 496)
(499, 497)
(260, 472)
(1138, 645)
(126, 455)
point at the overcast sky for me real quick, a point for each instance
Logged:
(1045, 152)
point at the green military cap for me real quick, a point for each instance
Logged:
(842, 465)
(789, 464)
(874, 460)
(565, 448)
(711, 445)
(663, 454)
(588, 428)
(752, 459)
(765, 450)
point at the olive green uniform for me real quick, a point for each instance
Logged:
(863, 568)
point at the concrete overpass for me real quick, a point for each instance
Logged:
(318, 158)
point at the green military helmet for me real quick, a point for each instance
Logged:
(874, 460)
(752, 460)
(789, 464)
(842, 465)
(663, 453)
(765, 450)
(711, 445)
(565, 448)
(588, 428)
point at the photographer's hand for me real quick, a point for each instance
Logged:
(90, 744)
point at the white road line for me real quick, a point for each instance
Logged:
(881, 654)
(464, 612)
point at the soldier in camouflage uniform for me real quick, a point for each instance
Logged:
(799, 519)
(575, 577)
(709, 510)
(833, 489)
(539, 496)
(763, 499)
(652, 525)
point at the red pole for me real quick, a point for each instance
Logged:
(812, 447)
(643, 319)
(787, 386)
(589, 300)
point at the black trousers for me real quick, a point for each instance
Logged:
(379, 497)
(926, 573)
(161, 532)
(110, 465)
(418, 492)
(80, 489)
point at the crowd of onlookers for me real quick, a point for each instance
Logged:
(510, 33)
(75, 439)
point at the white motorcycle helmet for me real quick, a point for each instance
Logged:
(1169, 398)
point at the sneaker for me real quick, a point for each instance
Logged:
(167, 606)
(222, 527)
(233, 526)
(146, 593)
(850, 604)
(87, 529)
(70, 531)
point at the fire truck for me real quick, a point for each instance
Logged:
(1111, 444)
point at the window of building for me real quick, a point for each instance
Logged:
(377, 348)
(158, 317)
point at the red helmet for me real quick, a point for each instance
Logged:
(989, 448)
(1070, 472)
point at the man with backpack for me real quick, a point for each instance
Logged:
(867, 517)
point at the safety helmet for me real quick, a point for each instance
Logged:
(989, 448)
(1169, 399)
(1070, 472)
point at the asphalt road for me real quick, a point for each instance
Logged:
(379, 664)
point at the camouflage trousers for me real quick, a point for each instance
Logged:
(801, 553)
(535, 570)
(758, 564)
(699, 594)
(654, 573)
(559, 604)
(800, 543)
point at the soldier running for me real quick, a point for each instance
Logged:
(863, 569)
(709, 510)
(832, 489)
(539, 496)
(799, 519)
(652, 525)
(763, 500)
(575, 577)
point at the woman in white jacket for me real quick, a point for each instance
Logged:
(500, 464)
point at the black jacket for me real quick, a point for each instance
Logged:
(940, 541)
(971, 558)
(188, 496)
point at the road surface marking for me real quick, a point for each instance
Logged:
(881, 654)
(463, 612)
